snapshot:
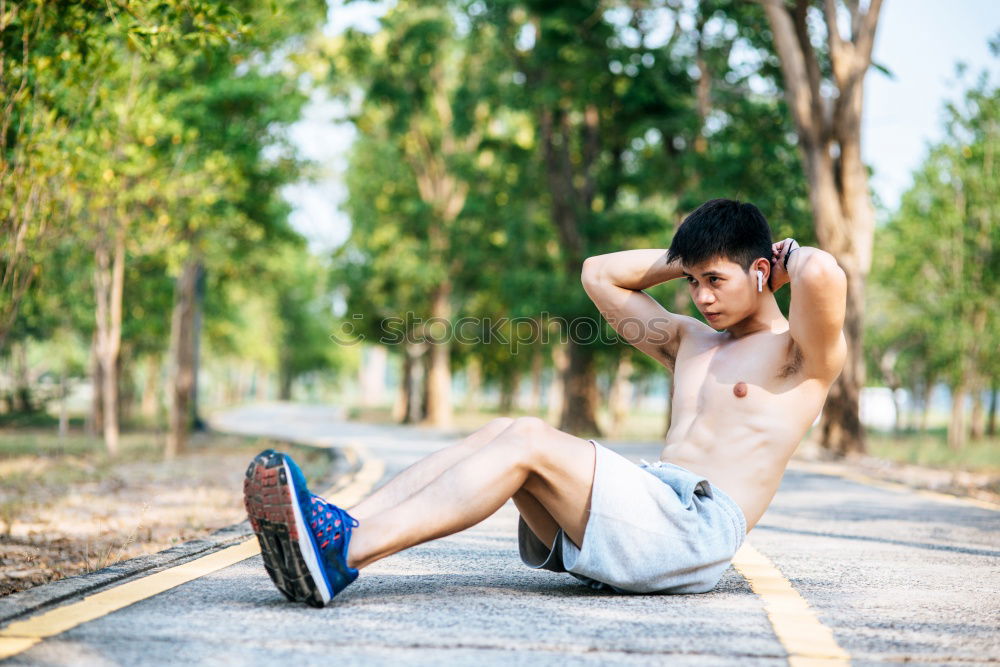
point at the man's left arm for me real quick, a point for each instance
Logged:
(818, 305)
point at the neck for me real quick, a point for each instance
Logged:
(767, 317)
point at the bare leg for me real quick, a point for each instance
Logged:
(421, 473)
(556, 468)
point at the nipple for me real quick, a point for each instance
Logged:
(740, 389)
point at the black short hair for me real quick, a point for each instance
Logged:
(724, 228)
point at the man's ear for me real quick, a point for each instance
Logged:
(764, 266)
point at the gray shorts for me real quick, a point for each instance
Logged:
(653, 528)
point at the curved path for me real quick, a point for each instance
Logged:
(837, 572)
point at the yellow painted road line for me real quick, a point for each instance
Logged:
(808, 642)
(22, 635)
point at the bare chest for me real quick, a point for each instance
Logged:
(753, 376)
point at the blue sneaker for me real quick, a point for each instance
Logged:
(303, 538)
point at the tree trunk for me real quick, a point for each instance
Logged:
(976, 430)
(95, 422)
(109, 282)
(579, 414)
(418, 399)
(557, 390)
(439, 409)
(149, 407)
(887, 365)
(510, 383)
(956, 424)
(22, 385)
(843, 212)
(401, 406)
(572, 186)
(407, 409)
(182, 358)
(911, 422)
(199, 299)
(126, 386)
(620, 396)
(897, 404)
(445, 192)
(925, 406)
(473, 384)
(284, 384)
(63, 407)
(537, 365)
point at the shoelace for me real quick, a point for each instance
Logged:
(327, 518)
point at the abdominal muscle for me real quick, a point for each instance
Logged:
(742, 444)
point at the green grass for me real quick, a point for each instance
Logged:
(930, 448)
(35, 419)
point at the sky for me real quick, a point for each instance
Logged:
(918, 41)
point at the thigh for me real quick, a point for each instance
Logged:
(485, 433)
(561, 477)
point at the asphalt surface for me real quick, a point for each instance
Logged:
(896, 576)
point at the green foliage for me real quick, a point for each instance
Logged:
(627, 175)
(936, 273)
(162, 122)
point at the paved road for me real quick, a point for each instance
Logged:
(894, 575)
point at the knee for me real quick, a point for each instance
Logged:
(484, 434)
(525, 435)
(529, 426)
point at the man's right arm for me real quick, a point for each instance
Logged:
(615, 282)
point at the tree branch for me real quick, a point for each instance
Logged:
(808, 53)
(793, 67)
(866, 35)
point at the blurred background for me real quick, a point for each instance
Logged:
(384, 207)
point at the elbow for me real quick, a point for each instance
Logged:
(823, 270)
(591, 270)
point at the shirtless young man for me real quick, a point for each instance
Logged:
(747, 387)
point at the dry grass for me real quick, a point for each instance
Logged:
(66, 508)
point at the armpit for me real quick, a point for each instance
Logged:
(669, 357)
(793, 363)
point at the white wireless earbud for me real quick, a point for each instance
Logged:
(760, 281)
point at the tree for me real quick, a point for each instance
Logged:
(626, 150)
(43, 120)
(938, 265)
(412, 75)
(591, 137)
(829, 132)
(232, 205)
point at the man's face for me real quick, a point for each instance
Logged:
(723, 292)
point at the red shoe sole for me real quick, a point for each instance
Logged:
(268, 497)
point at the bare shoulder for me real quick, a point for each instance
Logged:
(692, 331)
